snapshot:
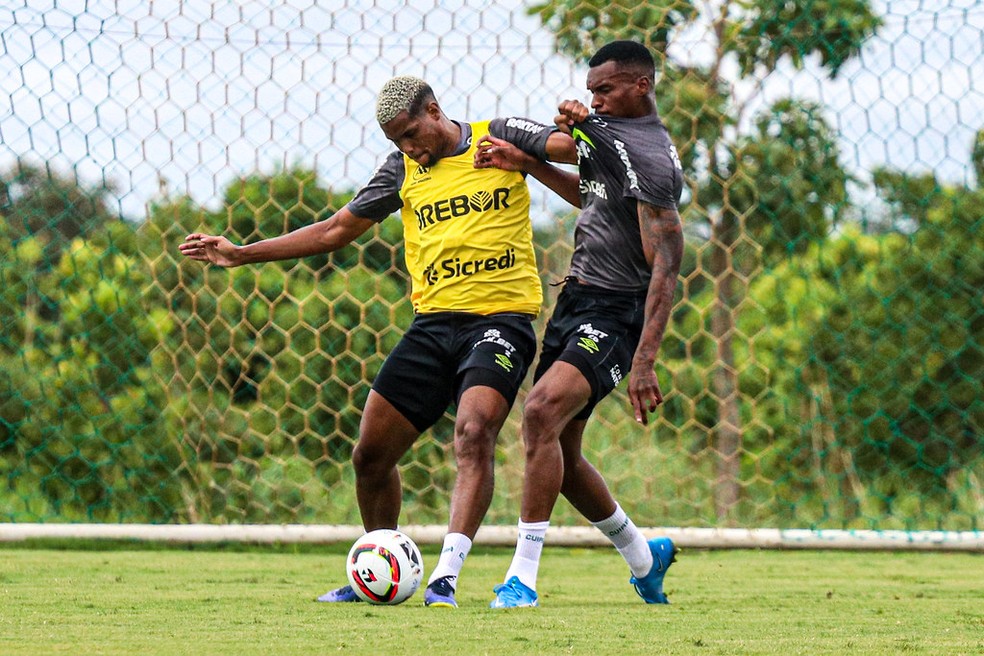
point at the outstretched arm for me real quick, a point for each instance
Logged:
(338, 230)
(493, 152)
(662, 243)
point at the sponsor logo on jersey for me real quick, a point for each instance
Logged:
(594, 187)
(629, 171)
(582, 143)
(461, 205)
(583, 152)
(526, 126)
(579, 135)
(455, 267)
(420, 174)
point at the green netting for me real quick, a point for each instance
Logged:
(825, 361)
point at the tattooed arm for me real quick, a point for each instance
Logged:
(662, 243)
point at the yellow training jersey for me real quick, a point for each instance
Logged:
(468, 237)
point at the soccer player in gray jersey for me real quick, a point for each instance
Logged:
(611, 315)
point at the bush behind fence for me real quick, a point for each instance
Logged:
(824, 363)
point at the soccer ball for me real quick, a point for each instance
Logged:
(384, 567)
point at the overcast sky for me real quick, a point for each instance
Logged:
(198, 93)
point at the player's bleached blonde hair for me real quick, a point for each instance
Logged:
(402, 93)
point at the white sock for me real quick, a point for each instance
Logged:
(629, 541)
(456, 548)
(529, 546)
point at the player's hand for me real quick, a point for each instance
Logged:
(493, 152)
(570, 112)
(644, 393)
(210, 248)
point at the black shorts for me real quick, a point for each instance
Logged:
(444, 353)
(597, 331)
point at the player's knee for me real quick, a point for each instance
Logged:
(367, 462)
(474, 440)
(360, 460)
(540, 413)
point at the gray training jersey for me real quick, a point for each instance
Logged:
(620, 161)
(380, 197)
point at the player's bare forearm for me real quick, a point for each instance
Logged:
(662, 240)
(493, 152)
(565, 184)
(315, 239)
(322, 237)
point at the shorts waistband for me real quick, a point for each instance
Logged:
(514, 315)
(576, 285)
(448, 314)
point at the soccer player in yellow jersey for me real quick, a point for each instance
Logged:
(475, 292)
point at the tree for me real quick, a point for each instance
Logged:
(919, 342)
(55, 208)
(82, 430)
(760, 192)
(875, 365)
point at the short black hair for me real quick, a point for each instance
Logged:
(629, 53)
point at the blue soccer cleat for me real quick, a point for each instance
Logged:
(440, 594)
(514, 594)
(650, 586)
(344, 594)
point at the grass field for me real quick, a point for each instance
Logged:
(138, 600)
